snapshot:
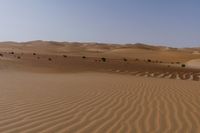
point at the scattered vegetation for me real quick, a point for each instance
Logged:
(18, 57)
(103, 59)
(49, 59)
(34, 53)
(125, 59)
(65, 56)
(83, 57)
(149, 60)
(183, 65)
(1, 55)
(11, 53)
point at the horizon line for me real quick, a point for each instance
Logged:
(108, 43)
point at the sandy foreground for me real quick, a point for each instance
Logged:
(97, 103)
(44, 91)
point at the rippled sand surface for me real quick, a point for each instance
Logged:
(92, 102)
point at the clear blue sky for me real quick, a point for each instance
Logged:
(170, 22)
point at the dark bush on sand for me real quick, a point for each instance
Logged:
(65, 56)
(149, 60)
(103, 59)
(125, 59)
(183, 65)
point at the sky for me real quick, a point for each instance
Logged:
(161, 22)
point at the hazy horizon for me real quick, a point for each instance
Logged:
(168, 23)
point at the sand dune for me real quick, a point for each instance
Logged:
(52, 87)
(97, 102)
(132, 51)
(194, 63)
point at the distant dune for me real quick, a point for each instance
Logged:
(73, 87)
(111, 50)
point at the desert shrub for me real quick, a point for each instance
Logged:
(18, 57)
(49, 59)
(177, 62)
(83, 57)
(183, 65)
(1, 55)
(136, 59)
(149, 60)
(34, 53)
(125, 59)
(11, 53)
(103, 59)
(65, 56)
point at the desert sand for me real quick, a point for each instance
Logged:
(194, 63)
(67, 87)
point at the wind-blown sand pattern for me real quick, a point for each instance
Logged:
(64, 88)
(96, 103)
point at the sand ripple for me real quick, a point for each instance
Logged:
(99, 103)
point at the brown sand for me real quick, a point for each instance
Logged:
(72, 94)
(194, 63)
(97, 102)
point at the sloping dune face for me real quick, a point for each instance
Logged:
(194, 63)
(97, 103)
